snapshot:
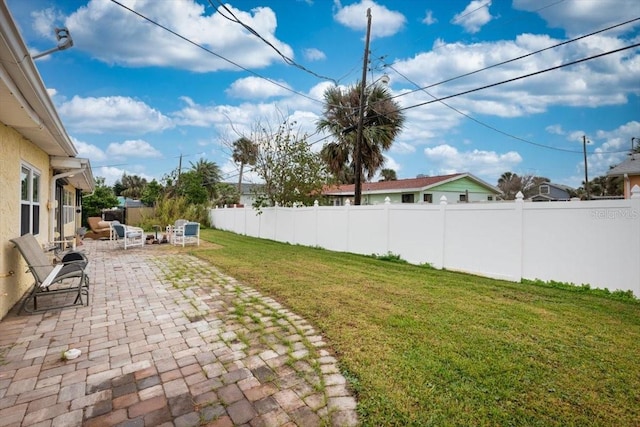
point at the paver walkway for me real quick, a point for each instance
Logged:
(167, 340)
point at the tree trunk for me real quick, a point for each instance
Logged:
(240, 179)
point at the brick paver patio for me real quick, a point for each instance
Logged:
(168, 340)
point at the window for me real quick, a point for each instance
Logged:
(29, 200)
(407, 198)
(544, 189)
(67, 207)
(427, 198)
(463, 198)
(490, 198)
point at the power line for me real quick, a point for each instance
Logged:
(485, 124)
(519, 57)
(522, 76)
(501, 22)
(213, 53)
(485, 4)
(286, 59)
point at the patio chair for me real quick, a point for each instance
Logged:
(171, 228)
(127, 235)
(66, 277)
(99, 229)
(188, 233)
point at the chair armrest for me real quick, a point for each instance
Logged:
(45, 284)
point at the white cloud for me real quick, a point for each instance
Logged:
(256, 88)
(313, 54)
(354, 16)
(112, 114)
(474, 16)
(575, 136)
(89, 151)
(613, 149)
(447, 159)
(44, 22)
(555, 129)
(606, 81)
(133, 149)
(114, 35)
(111, 174)
(390, 163)
(584, 16)
(429, 19)
(401, 147)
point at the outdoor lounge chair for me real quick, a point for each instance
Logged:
(127, 235)
(99, 229)
(64, 279)
(188, 233)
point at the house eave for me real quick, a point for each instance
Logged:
(83, 179)
(25, 104)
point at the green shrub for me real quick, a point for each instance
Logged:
(169, 209)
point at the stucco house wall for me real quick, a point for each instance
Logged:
(14, 151)
(31, 136)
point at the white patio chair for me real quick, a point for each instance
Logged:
(188, 233)
(172, 227)
(127, 235)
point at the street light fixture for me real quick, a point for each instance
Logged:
(64, 42)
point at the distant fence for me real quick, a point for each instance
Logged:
(593, 242)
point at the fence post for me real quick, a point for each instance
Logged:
(635, 229)
(519, 233)
(315, 221)
(347, 205)
(443, 235)
(387, 206)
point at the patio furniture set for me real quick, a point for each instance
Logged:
(64, 279)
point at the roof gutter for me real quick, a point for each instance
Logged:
(23, 71)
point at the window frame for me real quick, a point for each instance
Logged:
(30, 198)
(68, 206)
(408, 198)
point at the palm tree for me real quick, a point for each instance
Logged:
(209, 173)
(388, 175)
(133, 185)
(245, 152)
(510, 183)
(381, 124)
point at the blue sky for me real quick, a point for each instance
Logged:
(135, 97)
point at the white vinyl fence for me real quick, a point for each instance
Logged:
(593, 242)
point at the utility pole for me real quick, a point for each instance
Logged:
(179, 170)
(357, 152)
(586, 176)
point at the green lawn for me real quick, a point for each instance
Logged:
(427, 347)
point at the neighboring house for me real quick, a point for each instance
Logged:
(457, 188)
(630, 171)
(248, 193)
(41, 179)
(550, 192)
